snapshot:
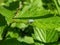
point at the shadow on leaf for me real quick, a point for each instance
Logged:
(37, 17)
(12, 41)
(13, 5)
(2, 20)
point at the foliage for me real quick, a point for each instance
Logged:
(30, 22)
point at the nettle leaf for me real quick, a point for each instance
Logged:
(26, 39)
(6, 2)
(13, 42)
(1, 31)
(1, 2)
(3, 23)
(57, 6)
(46, 29)
(7, 13)
(46, 36)
(38, 43)
(13, 35)
(48, 23)
(58, 29)
(59, 2)
(19, 25)
(32, 10)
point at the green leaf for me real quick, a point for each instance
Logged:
(13, 35)
(3, 23)
(19, 25)
(1, 1)
(58, 8)
(1, 31)
(46, 36)
(13, 41)
(26, 39)
(38, 43)
(58, 29)
(59, 2)
(32, 13)
(44, 25)
(48, 23)
(32, 10)
(7, 13)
